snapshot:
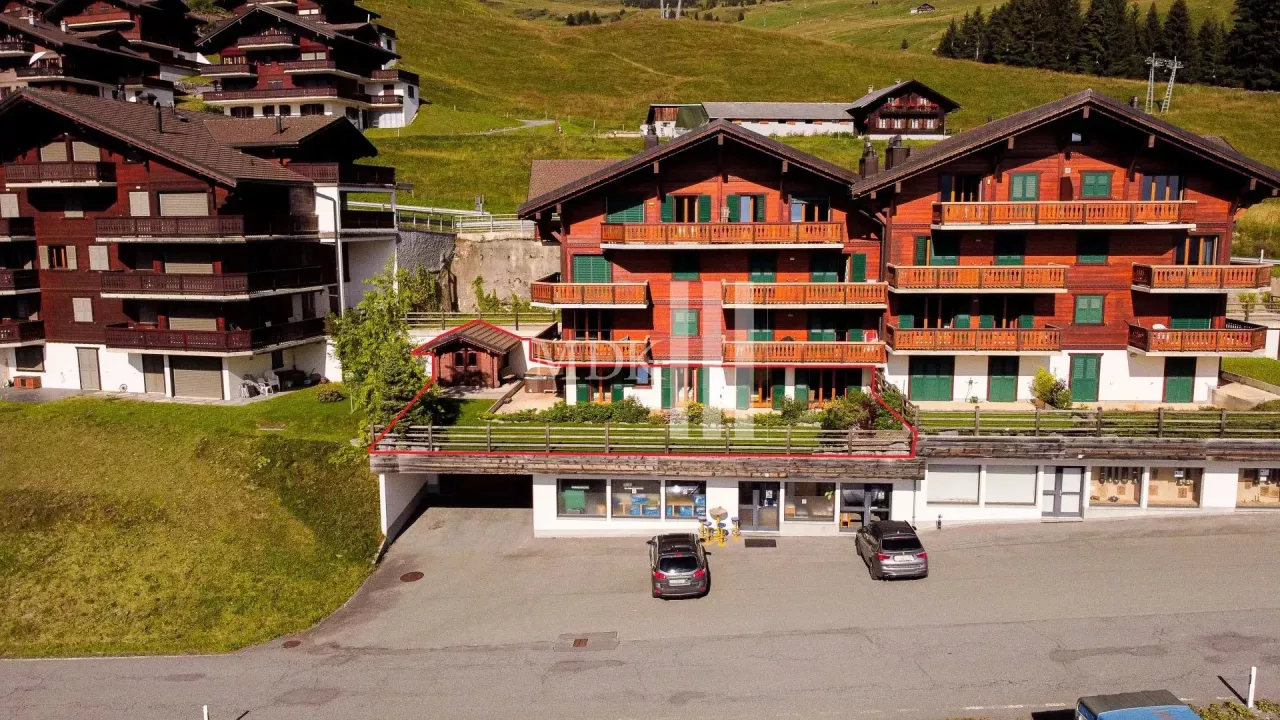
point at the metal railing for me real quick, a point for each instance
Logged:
(1213, 277)
(444, 320)
(519, 438)
(1158, 423)
(1085, 212)
(450, 220)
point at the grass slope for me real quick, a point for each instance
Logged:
(164, 528)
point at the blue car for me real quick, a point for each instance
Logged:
(1144, 705)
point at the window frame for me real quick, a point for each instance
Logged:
(1084, 184)
(680, 263)
(1101, 310)
(680, 322)
(1093, 258)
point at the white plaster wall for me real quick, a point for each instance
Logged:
(326, 201)
(1121, 377)
(650, 397)
(970, 378)
(778, 129)
(1027, 367)
(332, 367)
(397, 493)
(1273, 343)
(897, 372)
(366, 259)
(115, 369)
(1206, 378)
(1218, 486)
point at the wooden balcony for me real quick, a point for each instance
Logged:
(230, 70)
(1237, 338)
(722, 234)
(549, 292)
(273, 41)
(14, 282)
(221, 286)
(15, 48)
(213, 342)
(1184, 279)
(60, 174)
(590, 352)
(396, 75)
(748, 352)
(804, 294)
(16, 229)
(317, 67)
(212, 228)
(974, 278)
(23, 332)
(318, 92)
(386, 99)
(346, 174)
(1102, 214)
(966, 341)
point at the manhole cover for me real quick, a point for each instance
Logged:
(579, 642)
(761, 542)
(414, 576)
(292, 643)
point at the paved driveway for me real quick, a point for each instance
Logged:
(1020, 615)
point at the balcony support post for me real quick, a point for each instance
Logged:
(1222, 423)
(1037, 421)
(431, 439)
(1099, 426)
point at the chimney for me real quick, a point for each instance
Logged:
(279, 124)
(1133, 102)
(871, 89)
(869, 163)
(896, 153)
(159, 119)
(63, 26)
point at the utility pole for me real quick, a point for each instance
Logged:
(1173, 66)
(1154, 62)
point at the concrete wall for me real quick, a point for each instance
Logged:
(779, 129)
(367, 259)
(399, 495)
(507, 264)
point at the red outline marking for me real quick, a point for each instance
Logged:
(419, 352)
(915, 438)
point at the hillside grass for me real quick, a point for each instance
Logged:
(132, 527)
(435, 119)
(1259, 368)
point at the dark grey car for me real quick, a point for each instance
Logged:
(678, 566)
(891, 549)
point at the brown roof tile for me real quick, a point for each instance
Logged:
(476, 332)
(321, 29)
(548, 175)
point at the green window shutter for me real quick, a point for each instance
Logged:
(802, 385)
(684, 266)
(986, 322)
(668, 389)
(684, 323)
(616, 392)
(1189, 314)
(821, 328)
(906, 321)
(760, 207)
(624, 210)
(704, 208)
(762, 268)
(857, 335)
(592, 269)
(1096, 185)
(961, 322)
(858, 271)
(1026, 321)
(1010, 250)
(921, 256)
(779, 395)
(582, 391)
(1091, 249)
(704, 384)
(735, 208)
(744, 389)
(945, 252)
(668, 208)
(1088, 310)
(1024, 187)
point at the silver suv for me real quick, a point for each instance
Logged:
(891, 550)
(678, 566)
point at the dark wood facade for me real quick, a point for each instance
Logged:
(906, 108)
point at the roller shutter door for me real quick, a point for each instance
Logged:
(188, 262)
(193, 320)
(184, 204)
(196, 376)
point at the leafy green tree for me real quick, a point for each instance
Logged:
(1253, 47)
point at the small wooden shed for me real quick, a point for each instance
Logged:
(473, 355)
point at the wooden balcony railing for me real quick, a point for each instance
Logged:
(230, 69)
(145, 283)
(1207, 277)
(1106, 212)
(318, 67)
(346, 174)
(722, 233)
(222, 341)
(12, 280)
(599, 352)
(868, 294)
(275, 40)
(310, 91)
(213, 226)
(16, 47)
(1236, 337)
(796, 353)
(1045, 339)
(21, 331)
(973, 277)
(396, 75)
(17, 227)
(386, 99)
(60, 172)
(550, 291)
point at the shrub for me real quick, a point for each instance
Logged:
(330, 394)
(1050, 390)
(767, 420)
(694, 413)
(794, 411)
(854, 410)
(629, 410)
(1268, 406)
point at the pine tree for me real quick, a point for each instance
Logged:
(973, 31)
(1151, 38)
(1063, 22)
(1001, 37)
(1253, 47)
(947, 45)
(1211, 53)
(1179, 40)
(1108, 39)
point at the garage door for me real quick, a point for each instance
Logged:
(196, 376)
(931, 378)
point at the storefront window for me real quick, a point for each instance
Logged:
(1258, 487)
(1011, 485)
(1115, 485)
(1174, 487)
(810, 502)
(581, 498)
(955, 484)
(686, 500)
(637, 498)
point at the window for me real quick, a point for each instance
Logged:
(313, 109)
(762, 267)
(1091, 249)
(1095, 185)
(59, 257)
(1024, 187)
(810, 209)
(1174, 487)
(810, 502)
(277, 359)
(409, 91)
(931, 123)
(1161, 188)
(1257, 487)
(761, 325)
(139, 203)
(8, 206)
(882, 123)
(581, 498)
(686, 499)
(98, 258)
(685, 265)
(1196, 250)
(1010, 485)
(686, 208)
(1088, 309)
(915, 123)
(1115, 485)
(960, 188)
(148, 313)
(953, 484)
(285, 111)
(683, 385)
(82, 309)
(241, 112)
(684, 323)
(591, 269)
(745, 208)
(72, 206)
(624, 209)
(636, 498)
(268, 110)
(30, 358)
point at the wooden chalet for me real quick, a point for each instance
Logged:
(909, 109)
(476, 354)
(162, 30)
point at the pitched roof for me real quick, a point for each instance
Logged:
(746, 137)
(476, 332)
(866, 101)
(278, 132)
(55, 36)
(183, 138)
(548, 175)
(319, 28)
(999, 130)
(777, 110)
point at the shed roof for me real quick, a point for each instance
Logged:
(478, 333)
(777, 110)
